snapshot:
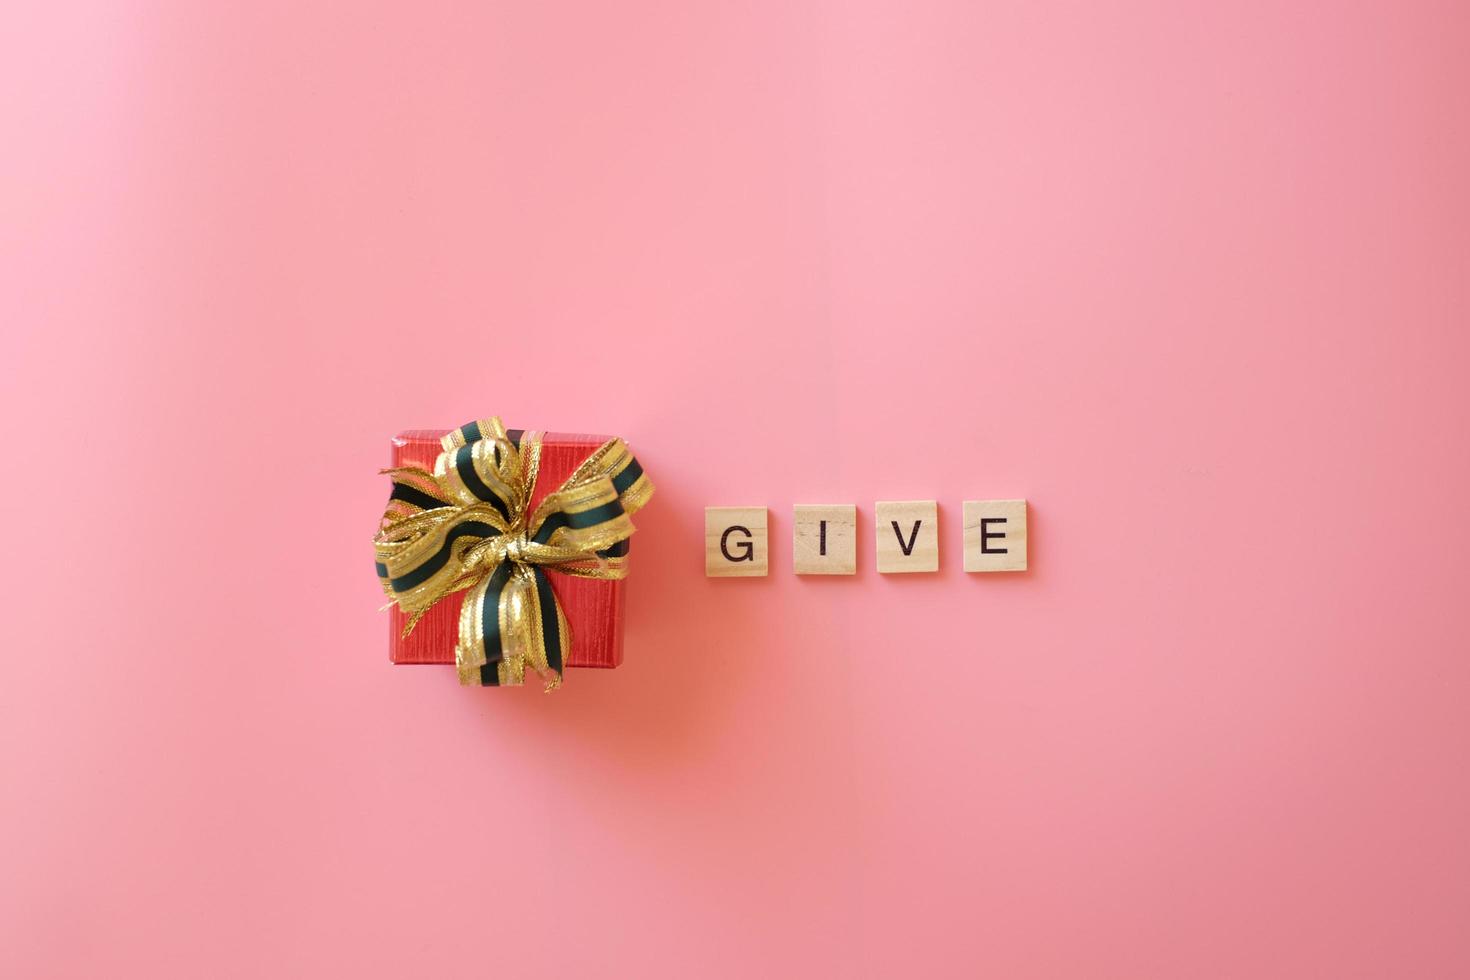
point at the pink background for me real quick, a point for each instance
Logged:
(1194, 281)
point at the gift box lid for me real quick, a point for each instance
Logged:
(593, 608)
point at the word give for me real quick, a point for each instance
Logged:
(906, 532)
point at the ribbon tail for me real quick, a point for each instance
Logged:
(518, 616)
(537, 628)
(480, 648)
(556, 637)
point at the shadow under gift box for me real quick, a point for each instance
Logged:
(594, 608)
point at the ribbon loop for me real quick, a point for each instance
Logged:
(467, 525)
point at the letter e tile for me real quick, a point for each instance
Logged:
(995, 535)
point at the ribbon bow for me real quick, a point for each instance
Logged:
(469, 525)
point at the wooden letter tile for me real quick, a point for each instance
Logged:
(824, 539)
(995, 535)
(734, 541)
(907, 534)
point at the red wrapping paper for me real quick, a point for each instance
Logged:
(594, 609)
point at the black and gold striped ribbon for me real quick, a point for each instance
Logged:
(468, 525)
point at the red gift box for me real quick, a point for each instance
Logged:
(593, 607)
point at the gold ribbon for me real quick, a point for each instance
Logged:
(468, 525)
